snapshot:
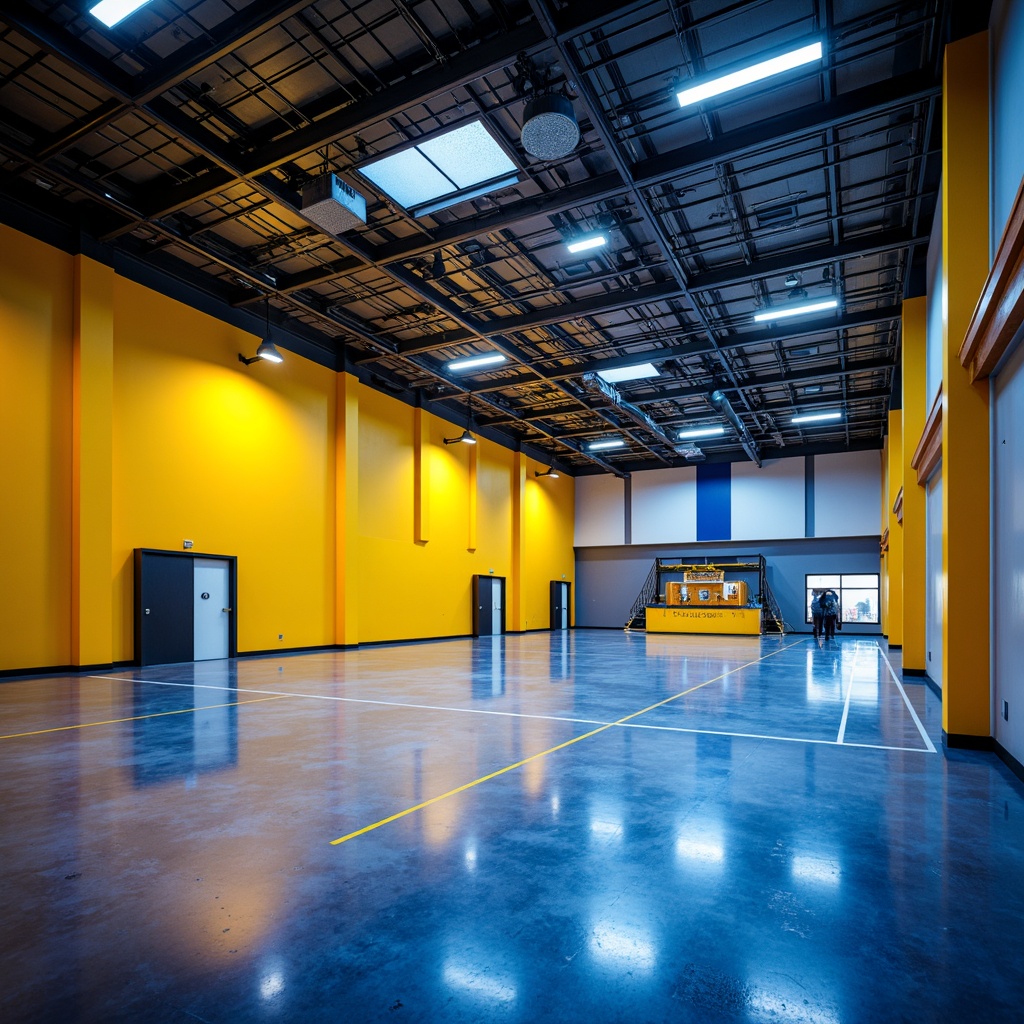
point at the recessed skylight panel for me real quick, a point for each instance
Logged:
(408, 177)
(110, 12)
(442, 170)
(468, 155)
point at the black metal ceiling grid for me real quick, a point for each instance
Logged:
(185, 135)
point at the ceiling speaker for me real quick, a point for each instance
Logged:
(550, 130)
(332, 206)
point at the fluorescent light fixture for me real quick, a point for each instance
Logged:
(474, 361)
(816, 417)
(746, 76)
(784, 311)
(598, 446)
(711, 431)
(638, 372)
(442, 170)
(587, 242)
(110, 12)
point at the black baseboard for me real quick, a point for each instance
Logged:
(961, 741)
(933, 686)
(894, 647)
(1009, 760)
(920, 672)
(44, 671)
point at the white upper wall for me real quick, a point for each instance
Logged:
(768, 503)
(936, 303)
(1006, 40)
(600, 510)
(847, 494)
(664, 506)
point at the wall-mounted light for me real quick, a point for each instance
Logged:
(466, 437)
(551, 473)
(267, 349)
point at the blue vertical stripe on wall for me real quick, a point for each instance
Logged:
(714, 501)
(808, 495)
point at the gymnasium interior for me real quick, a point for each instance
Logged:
(512, 511)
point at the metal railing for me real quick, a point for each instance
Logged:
(638, 613)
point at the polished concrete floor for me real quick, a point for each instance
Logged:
(587, 826)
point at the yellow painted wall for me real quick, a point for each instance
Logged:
(411, 589)
(244, 461)
(550, 514)
(35, 452)
(238, 459)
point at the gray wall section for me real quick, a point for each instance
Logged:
(608, 579)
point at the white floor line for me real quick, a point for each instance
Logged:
(518, 714)
(849, 694)
(906, 700)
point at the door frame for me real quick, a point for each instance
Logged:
(555, 585)
(139, 611)
(477, 577)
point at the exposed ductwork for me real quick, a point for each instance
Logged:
(724, 406)
(598, 386)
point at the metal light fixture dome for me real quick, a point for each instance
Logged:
(550, 130)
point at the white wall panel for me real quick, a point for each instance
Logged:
(600, 510)
(1008, 552)
(1006, 33)
(664, 506)
(768, 503)
(847, 494)
(936, 308)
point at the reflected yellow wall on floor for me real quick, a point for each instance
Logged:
(245, 461)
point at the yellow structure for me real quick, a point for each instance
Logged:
(740, 621)
(127, 421)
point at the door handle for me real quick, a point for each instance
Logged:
(225, 609)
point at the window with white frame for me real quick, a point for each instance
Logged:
(857, 592)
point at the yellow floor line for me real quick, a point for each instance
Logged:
(138, 718)
(551, 750)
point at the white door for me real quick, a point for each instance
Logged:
(564, 624)
(211, 614)
(496, 589)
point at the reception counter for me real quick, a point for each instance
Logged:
(742, 621)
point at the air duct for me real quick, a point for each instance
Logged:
(598, 386)
(332, 205)
(722, 404)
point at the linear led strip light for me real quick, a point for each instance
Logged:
(816, 417)
(110, 12)
(783, 311)
(475, 361)
(600, 446)
(709, 431)
(748, 75)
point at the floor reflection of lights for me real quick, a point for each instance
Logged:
(479, 983)
(623, 946)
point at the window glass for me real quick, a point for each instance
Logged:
(857, 592)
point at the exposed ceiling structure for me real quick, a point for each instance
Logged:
(183, 139)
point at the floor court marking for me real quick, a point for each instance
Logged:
(906, 700)
(849, 694)
(622, 723)
(139, 718)
(551, 750)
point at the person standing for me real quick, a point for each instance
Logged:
(816, 612)
(830, 613)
